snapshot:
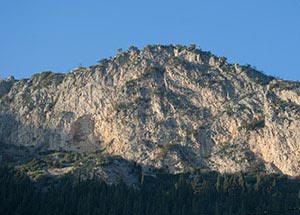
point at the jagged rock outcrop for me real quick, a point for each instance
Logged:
(5, 85)
(171, 107)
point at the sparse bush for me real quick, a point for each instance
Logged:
(103, 61)
(255, 124)
(133, 48)
(119, 50)
(192, 47)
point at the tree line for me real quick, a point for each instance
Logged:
(209, 193)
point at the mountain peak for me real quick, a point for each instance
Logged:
(175, 108)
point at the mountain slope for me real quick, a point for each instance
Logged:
(168, 107)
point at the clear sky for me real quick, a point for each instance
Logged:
(59, 35)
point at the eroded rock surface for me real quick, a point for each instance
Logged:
(171, 107)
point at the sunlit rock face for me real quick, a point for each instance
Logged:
(171, 107)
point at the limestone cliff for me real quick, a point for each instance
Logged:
(171, 107)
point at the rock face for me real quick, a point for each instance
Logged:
(5, 85)
(170, 107)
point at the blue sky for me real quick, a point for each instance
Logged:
(59, 35)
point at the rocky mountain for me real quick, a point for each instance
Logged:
(173, 108)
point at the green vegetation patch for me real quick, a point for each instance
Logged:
(47, 78)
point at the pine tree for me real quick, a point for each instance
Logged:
(218, 183)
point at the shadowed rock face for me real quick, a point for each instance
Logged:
(171, 107)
